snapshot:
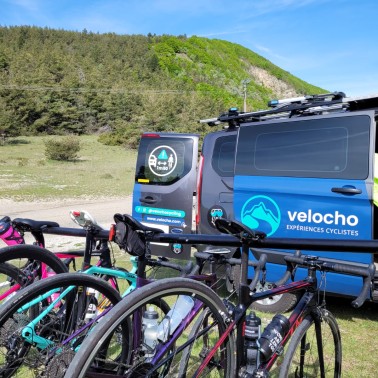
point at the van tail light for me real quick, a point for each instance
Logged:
(199, 187)
(150, 135)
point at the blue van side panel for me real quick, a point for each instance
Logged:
(307, 208)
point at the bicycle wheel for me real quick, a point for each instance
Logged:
(157, 350)
(45, 323)
(316, 333)
(30, 259)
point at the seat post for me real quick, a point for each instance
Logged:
(244, 287)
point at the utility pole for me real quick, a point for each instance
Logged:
(245, 82)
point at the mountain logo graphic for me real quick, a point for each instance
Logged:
(261, 213)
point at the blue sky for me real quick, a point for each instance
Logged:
(329, 43)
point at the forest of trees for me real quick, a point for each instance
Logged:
(64, 82)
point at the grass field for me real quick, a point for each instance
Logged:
(100, 171)
(104, 171)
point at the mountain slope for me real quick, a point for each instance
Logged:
(59, 82)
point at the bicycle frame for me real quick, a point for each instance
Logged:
(11, 236)
(28, 332)
(135, 277)
(45, 273)
(303, 306)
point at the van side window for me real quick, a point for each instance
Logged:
(320, 148)
(223, 158)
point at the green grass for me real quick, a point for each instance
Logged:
(100, 171)
(359, 330)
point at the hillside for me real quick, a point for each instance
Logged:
(58, 82)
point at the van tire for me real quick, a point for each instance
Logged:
(277, 304)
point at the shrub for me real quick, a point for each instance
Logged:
(62, 148)
(22, 162)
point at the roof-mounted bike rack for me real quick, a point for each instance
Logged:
(298, 107)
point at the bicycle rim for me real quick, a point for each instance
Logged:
(317, 335)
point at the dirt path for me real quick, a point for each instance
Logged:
(58, 211)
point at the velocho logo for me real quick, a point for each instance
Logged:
(261, 213)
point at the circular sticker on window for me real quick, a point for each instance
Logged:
(162, 160)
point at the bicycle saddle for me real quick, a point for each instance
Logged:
(33, 225)
(134, 224)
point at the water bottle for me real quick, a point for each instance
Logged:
(92, 306)
(272, 336)
(8, 233)
(174, 317)
(150, 330)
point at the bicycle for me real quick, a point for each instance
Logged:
(34, 262)
(216, 338)
(45, 323)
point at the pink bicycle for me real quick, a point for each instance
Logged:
(21, 264)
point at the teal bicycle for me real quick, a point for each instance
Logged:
(44, 324)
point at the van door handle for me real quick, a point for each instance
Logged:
(347, 190)
(148, 200)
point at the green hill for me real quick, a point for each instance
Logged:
(59, 82)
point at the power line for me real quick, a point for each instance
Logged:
(96, 90)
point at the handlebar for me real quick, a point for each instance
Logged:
(367, 273)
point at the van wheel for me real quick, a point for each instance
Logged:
(278, 303)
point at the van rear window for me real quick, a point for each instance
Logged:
(335, 147)
(223, 159)
(163, 160)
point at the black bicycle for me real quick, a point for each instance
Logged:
(203, 335)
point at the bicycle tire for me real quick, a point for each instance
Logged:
(13, 254)
(11, 271)
(28, 259)
(66, 318)
(9, 276)
(140, 365)
(302, 356)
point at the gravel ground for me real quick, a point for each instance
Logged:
(101, 209)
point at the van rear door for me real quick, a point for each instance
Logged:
(165, 181)
(309, 178)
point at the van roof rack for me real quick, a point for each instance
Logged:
(298, 107)
(312, 99)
